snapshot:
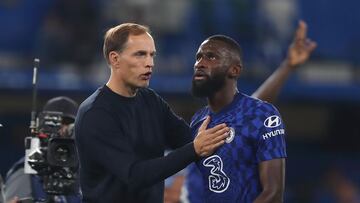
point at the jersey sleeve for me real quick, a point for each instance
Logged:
(102, 143)
(270, 133)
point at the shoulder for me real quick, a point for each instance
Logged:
(259, 114)
(256, 107)
(97, 100)
(150, 94)
(266, 109)
(17, 182)
(152, 99)
(16, 166)
(98, 105)
(264, 117)
(91, 101)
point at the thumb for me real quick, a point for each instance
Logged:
(204, 124)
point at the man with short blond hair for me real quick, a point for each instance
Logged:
(116, 37)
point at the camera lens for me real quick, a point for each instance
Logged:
(62, 153)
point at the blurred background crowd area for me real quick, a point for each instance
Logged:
(320, 103)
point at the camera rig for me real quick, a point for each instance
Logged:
(50, 150)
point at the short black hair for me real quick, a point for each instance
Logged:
(230, 42)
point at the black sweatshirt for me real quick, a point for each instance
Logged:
(121, 144)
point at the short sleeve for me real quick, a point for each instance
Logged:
(270, 133)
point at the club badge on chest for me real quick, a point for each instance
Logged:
(231, 135)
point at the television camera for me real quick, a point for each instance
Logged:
(50, 150)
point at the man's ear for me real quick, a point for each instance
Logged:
(114, 58)
(235, 71)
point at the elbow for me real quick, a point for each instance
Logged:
(139, 179)
(274, 195)
(277, 196)
(135, 182)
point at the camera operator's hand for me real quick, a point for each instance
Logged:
(208, 140)
(23, 200)
(14, 200)
(66, 130)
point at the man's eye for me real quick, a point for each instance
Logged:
(140, 54)
(211, 56)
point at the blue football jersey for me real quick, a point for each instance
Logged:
(231, 173)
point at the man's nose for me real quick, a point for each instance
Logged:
(150, 62)
(199, 63)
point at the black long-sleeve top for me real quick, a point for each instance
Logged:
(121, 142)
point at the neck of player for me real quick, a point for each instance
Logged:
(223, 97)
(119, 87)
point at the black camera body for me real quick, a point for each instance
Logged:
(52, 154)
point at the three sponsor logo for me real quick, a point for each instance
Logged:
(218, 180)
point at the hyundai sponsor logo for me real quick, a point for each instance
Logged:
(273, 133)
(272, 121)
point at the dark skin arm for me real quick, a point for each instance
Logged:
(298, 53)
(272, 173)
(272, 178)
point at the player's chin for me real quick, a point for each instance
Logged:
(199, 82)
(144, 83)
(200, 89)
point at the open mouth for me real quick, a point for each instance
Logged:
(200, 75)
(146, 76)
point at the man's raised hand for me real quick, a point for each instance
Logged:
(301, 48)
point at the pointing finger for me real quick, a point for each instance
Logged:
(301, 31)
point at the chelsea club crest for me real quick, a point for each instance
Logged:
(231, 136)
